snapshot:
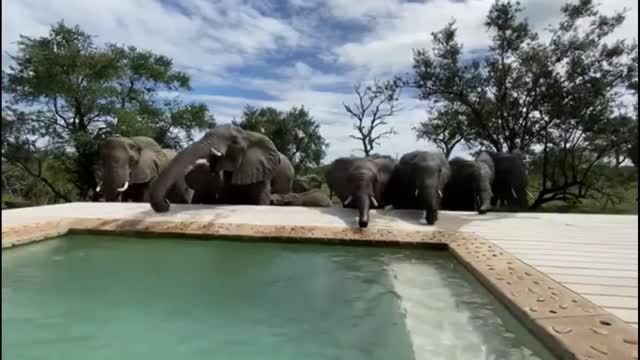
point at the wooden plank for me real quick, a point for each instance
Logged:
(603, 290)
(609, 301)
(589, 272)
(576, 258)
(627, 315)
(591, 280)
(587, 250)
(543, 245)
(580, 264)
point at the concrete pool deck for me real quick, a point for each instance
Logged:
(572, 279)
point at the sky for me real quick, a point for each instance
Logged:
(285, 53)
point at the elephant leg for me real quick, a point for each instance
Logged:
(140, 193)
(261, 193)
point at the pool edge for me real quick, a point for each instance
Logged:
(571, 326)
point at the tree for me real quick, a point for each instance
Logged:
(446, 129)
(557, 101)
(73, 93)
(374, 105)
(294, 133)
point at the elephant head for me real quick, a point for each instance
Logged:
(423, 176)
(247, 156)
(360, 183)
(510, 179)
(469, 186)
(127, 161)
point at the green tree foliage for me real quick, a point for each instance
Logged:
(294, 133)
(65, 94)
(559, 101)
(446, 128)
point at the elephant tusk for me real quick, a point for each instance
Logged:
(513, 192)
(99, 186)
(530, 196)
(416, 193)
(348, 200)
(123, 188)
(440, 193)
(215, 152)
(373, 200)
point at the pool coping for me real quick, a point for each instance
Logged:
(571, 326)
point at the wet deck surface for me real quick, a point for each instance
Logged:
(593, 255)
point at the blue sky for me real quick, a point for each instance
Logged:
(285, 53)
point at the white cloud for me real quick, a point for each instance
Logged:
(388, 47)
(211, 37)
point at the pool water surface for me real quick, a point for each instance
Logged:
(111, 297)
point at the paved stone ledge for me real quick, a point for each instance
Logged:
(570, 325)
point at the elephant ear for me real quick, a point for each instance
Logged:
(258, 163)
(147, 168)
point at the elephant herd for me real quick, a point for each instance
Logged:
(229, 165)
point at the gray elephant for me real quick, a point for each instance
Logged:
(205, 183)
(510, 181)
(249, 162)
(128, 166)
(283, 175)
(469, 186)
(418, 183)
(306, 183)
(311, 198)
(360, 183)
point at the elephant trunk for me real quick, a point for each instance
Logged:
(363, 209)
(174, 170)
(115, 183)
(484, 195)
(430, 198)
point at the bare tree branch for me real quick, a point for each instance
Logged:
(374, 104)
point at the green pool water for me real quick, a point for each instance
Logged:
(102, 297)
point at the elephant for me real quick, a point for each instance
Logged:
(360, 183)
(205, 183)
(510, 181)
(418, 183)
(311, 198)
(306, 183)
(128, 166)
(249, 162)
(469, 186)
(283, 175)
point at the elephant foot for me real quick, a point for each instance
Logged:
(363, 224)
(160, 206)
(483, 211)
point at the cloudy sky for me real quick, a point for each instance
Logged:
(284, 53)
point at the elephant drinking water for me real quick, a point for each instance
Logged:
(418, 182)
(249, 162)
(360, 183)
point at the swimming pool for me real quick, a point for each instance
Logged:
(107, 297)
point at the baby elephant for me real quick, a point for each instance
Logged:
(311, 198)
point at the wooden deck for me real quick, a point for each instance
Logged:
(593, 255)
